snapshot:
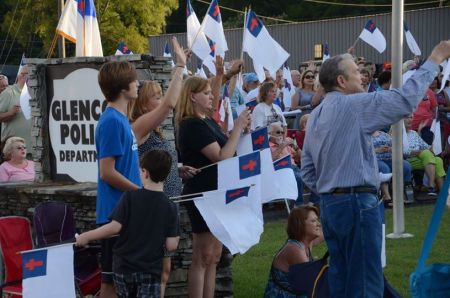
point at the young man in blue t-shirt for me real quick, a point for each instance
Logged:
(117, 153)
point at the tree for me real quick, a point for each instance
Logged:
(119, 20)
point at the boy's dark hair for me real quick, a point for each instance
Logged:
(114, 77)
(157, 163)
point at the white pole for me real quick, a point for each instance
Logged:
(397, 144)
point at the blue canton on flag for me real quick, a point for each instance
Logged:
(283, 163)
(189, 8)
(370, 26)
(123, 48)
(167, 50)
(260, 139)
(34, 263)
(86, 8)
(251, 104)
(234, 194)
(214, 11)
(326, 51)
(212, 46)
(249, 165)
(254, 24)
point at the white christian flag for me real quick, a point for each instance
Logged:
(233, 216)
(373, 36)
(48, 272)
(326, 53)
(200, 72)
(122, 49)
(284, 179)
(254, 141)
(212, 27)
(200, 47)
(168, 54)
(25, 102)
(209, 60)
(262, 48)
(412, 44)
(436, 129)
(253, 168)
(288, 88)
(226, 98)
(67, 25)
(88, 33)
(446, 74)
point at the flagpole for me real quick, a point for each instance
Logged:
(243, 33)
(44, 248)
(201, 28)
(356, 41)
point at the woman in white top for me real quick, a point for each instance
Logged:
(266, 112)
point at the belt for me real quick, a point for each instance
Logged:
(356, 189)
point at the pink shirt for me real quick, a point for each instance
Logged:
(10, 173)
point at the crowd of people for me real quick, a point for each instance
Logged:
(339, 143)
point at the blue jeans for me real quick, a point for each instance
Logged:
(385, 166)
(299, 200)
(352, 228)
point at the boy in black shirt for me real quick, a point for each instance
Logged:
(147, 222)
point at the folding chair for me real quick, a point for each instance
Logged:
(54, 223)
(15, 236)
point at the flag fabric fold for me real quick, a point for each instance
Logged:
(233, 216)
(262, 48)
(254, 141)
(88, 42)
(200, 72)
(196, 39)
(25, 102)
(326, 53)
(209, 60)
(48, 272)
(288, 88)
(284, 180)
(373, 36)
(412, 44)
(226, 98)
(213, 29)
(67, 25)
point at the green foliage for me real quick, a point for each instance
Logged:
(250, 271)
(127, 20)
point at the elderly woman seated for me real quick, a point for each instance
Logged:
(16, 167)
(421, 157)
(280, 146)
(304, 231)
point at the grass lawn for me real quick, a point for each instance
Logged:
(250, 271)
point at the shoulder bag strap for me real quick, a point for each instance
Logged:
(434, 223)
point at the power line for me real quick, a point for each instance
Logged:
(9, 29)
(242, 12)
(369, 5)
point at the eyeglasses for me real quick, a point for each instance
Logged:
(278, 132)
(309, 77)
(21, 147)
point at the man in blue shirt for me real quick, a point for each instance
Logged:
(117, 153)
(339, 163)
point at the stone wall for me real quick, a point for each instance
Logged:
(20, 199)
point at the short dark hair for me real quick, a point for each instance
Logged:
(157, 163)
(331, 69)
(384, 77)
(114, 77)
(296, 221)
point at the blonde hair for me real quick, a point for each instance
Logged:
(303, 120)
(185, 106)
(9, 146)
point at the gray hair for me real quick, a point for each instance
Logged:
(272, 126)
(9, 146)
(331, 69)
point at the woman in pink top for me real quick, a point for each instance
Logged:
(16, 167)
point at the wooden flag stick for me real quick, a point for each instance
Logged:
(197, 196)
(200, 29)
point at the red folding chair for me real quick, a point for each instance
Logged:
(15, 236)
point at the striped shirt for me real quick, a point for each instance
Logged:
(338, 150)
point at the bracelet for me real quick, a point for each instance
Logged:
(182, 66)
